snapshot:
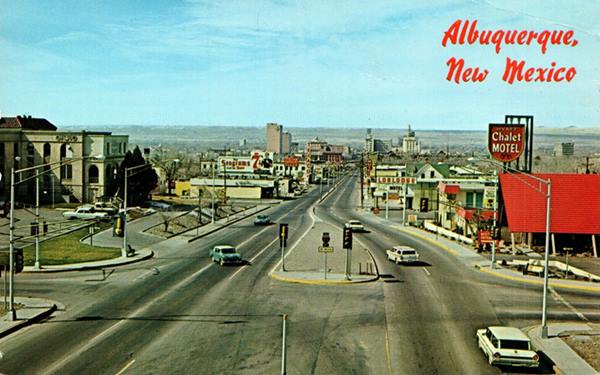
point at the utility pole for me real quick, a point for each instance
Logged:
(362, 172)
(212, 219)
(11, 258)
(37, 219)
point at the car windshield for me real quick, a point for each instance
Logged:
(355, 222)
(228, 250)
(261, 217)
(514, 344)
(408, 252)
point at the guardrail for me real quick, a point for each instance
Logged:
(430, 226)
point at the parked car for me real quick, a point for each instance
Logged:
(262, 220)
(402, 254)
(86, 212)
(507, 346)
(355, 225)
(225, 254)
(105, 207)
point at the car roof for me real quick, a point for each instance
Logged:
(224, 246)
(508, 333)
(354, 221)
(402, 247)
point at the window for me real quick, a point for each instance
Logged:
(432, 174)
(514, 344)
(47, 151)
(30, 149)
(422, 175)
(107, 149)
(93, 174)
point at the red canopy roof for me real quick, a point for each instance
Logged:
(448, 188)
(574, 203)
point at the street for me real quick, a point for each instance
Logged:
(180, 313)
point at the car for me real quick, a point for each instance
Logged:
(262, 220)
(402, 254)
(507, 346)
(86, 212)
(225, 254)
(355, 225)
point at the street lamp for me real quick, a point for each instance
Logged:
(11, 251)
(548, 184)
(124, 251)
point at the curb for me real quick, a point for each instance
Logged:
(551, 283)
(223, 226)
(41, 316)
(92, 267)
(321, 282)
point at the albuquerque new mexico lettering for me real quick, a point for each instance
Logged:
(515, 70)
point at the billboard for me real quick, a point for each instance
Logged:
(291, 162)
(506, 142)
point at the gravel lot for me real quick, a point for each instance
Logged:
(587, 345)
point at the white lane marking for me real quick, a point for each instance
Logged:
(126, 367)
(427, 272)
(99, 337)
(254, 257)
(559, 298)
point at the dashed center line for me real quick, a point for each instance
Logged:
(427, 272)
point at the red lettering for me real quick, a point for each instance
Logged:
(456, 73)
(452, 33)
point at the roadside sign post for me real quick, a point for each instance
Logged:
(283, 235)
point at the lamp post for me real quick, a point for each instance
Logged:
(127, 170)
(494, 225)
(548, 183)
(11, 234)
(212, 219)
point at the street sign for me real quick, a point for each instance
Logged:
(325, 238)
(326, 249)
(506, 142)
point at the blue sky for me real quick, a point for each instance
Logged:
(311, 63)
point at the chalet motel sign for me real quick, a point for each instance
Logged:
(506, 142)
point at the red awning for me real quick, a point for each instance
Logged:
(574, 203)
(469, 213)
(448, 188)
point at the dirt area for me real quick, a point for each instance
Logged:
(185, 222)
(587, 345)
(3, 311)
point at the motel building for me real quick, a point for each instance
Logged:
(574, 212)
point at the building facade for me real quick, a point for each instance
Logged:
(27, 142)
(274, 138)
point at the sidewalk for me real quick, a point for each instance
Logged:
(33, 311)
(567, 361)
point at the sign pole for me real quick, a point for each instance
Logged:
(325, 266)
(404, 210)
(494, 225)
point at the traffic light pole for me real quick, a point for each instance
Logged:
(282, 256)
(11, 250)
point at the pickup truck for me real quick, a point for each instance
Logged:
(225, 254)
(86, 212)
(402, 254)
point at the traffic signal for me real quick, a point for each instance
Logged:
(19, 261)
(325, 238)
(347, 240)
(283, 234)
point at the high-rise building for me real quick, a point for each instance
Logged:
(286, 143)
(564, 149)
(410, 143)
(274, 138)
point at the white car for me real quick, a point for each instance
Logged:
(86, 212)
(402, 254)
(507, 346)
(355, 225)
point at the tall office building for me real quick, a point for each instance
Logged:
(286, 146)
(274, 138)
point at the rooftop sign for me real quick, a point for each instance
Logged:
(506, 142)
